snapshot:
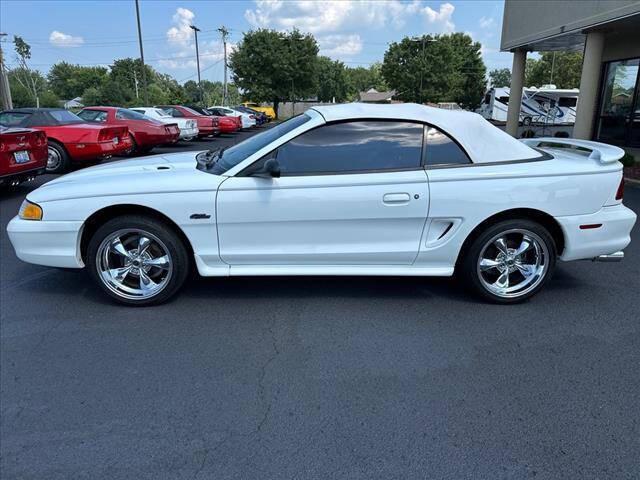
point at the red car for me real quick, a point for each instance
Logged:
(145, 132)
(228, 123)
(207, 126)
(23, 155)
(70, 139)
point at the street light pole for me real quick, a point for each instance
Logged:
(423, 40)
(144, 73)
(195, 31)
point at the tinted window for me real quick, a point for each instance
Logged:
(568, 101)
(441, 150)
(14, 119)
(93, 115)
(242, 150)
(353, 147)
(504, 100)
(64, 116)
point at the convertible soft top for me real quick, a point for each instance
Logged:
(483, 142)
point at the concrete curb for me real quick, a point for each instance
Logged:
(632, 181)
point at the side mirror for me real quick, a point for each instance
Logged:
(271, 168)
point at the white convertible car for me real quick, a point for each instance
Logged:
(340, 190)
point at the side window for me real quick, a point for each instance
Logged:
(440, 149)
(352, 147)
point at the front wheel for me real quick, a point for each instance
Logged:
(510, 262)
(137, 260)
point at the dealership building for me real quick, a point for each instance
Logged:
(608, 34)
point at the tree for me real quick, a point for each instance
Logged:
(500, 77)
(361, 79)
(273, 66)
(23, 74)
(69, 81)
(563, 71)
(441, 68)
(333, 81)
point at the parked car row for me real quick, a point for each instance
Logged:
(39, 140)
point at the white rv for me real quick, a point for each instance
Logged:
(545, 105)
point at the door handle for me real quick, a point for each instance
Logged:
(396, 198)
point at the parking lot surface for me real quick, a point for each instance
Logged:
(319, 378)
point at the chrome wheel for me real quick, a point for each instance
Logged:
(134, 264)
(54, 160)
(513, 263)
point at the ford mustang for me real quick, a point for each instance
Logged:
(145, 132)
(70, 139)
(340, 190)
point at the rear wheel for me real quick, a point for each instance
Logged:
(510, 261)
(57, 158)
(137, 260)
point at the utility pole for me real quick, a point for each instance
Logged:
(135, 82)
(223, 30)
(195, 31)
(422, 40)
(144, 73)
(5, 90)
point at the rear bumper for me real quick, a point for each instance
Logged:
(16, 177)
(54, 244)
(610, 236)
(189, 132)
(92, 151)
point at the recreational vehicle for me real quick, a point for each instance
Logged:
(546, 105)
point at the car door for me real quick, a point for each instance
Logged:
(350, 193)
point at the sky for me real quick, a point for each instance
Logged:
(356, 32)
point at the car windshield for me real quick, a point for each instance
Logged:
(239, 152)
(192, 111)
(13, 119)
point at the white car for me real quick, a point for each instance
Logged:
(188, 128)
(341, 190)
(248, 120)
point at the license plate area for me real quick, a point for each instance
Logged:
(21, 156)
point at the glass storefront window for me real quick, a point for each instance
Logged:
(619, 118)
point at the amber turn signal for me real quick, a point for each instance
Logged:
(30, 211)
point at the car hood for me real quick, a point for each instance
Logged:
(150, 175)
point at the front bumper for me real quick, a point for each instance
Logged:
(612, 235)
(54, 244)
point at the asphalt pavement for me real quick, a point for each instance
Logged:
(319, 378)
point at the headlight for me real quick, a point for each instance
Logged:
(30, 211)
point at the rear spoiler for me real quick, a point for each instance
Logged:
(599, 151)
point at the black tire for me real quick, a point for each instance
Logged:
(179, 257)
(134, 146)
(58, 159)
(469, 266)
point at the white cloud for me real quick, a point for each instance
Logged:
(442, 19)
(59, 39)
(182, 50)
(329, 16)
(338, 45)
(487, 22)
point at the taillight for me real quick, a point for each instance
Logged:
(620, 192)
(41, 138)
